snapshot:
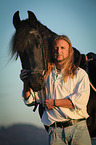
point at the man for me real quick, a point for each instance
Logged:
(67, 94)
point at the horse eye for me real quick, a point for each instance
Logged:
(28, 42)
(38, 36)
(55, 48)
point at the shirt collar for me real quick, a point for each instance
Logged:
(57, 73)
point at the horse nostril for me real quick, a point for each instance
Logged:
(36, 81)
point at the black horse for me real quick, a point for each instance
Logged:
(32, 42)
(89, 65)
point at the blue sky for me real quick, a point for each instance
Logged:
(74, 18)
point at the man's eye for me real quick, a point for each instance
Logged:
(62, 48)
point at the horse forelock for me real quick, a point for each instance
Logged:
(23, 37)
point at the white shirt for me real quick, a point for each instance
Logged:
(77, 89)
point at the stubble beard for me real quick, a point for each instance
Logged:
(60, 60)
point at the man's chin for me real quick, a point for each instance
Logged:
(60, 60)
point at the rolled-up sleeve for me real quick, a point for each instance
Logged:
(31, 99)
(81, 93)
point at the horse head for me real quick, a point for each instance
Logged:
(27, 42)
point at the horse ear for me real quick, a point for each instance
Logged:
(32, 18)
(16, 20)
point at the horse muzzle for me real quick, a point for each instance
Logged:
(36, 81)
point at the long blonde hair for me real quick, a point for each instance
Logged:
(69, 68)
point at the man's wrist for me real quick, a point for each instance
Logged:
(54, 103)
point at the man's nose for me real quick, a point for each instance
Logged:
(58, 50)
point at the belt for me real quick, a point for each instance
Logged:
(67, 123)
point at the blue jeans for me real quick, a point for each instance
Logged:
(73, 135)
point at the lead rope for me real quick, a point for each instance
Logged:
(44, 91)
(36, 104)
(92, 87)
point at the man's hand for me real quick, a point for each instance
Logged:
(49, 103)
(66, 103)
(23, 75)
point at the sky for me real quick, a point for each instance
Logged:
(74, 18)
